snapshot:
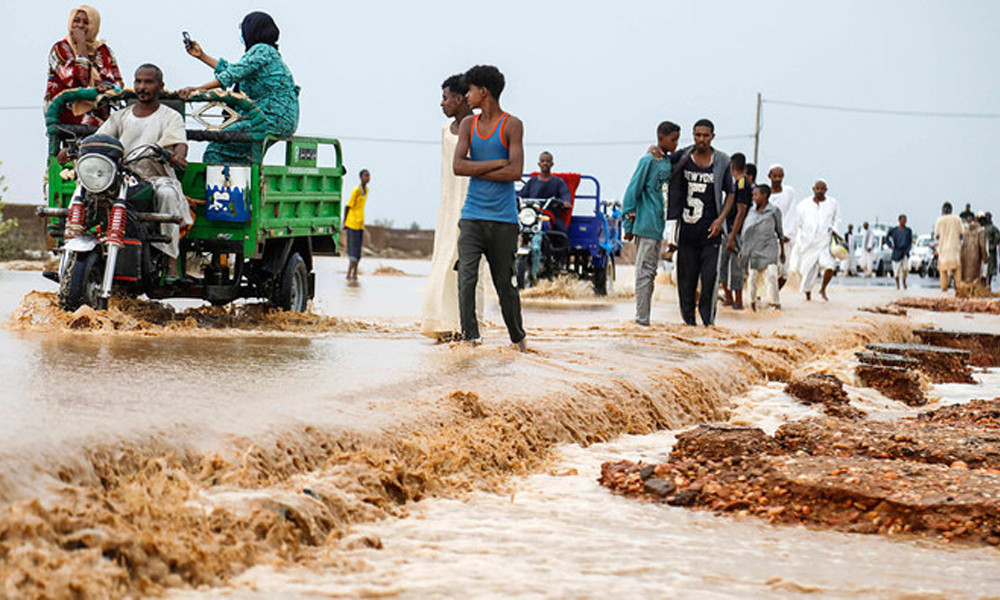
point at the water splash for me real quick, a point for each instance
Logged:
(39, 311)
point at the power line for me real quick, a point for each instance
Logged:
(388, 140)
(380, 140)
(377, 140)
(627, 142)
(881, 111)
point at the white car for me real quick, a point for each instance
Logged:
(922, 254)
(881, 254)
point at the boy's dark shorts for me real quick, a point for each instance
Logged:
(355, 237)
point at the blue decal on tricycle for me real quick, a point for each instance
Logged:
(227, 193)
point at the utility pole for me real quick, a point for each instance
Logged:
(756, 131)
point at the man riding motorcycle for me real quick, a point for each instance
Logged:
(149, 122)
(547, 185)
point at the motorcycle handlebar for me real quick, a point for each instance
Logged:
(161, 154)
(543, 202)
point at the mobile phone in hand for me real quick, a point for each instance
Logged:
(187, 40)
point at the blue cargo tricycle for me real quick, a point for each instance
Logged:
(588, 250)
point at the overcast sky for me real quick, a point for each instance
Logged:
(582, 73)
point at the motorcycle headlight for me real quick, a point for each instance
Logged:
(95, 172)
(527, 217)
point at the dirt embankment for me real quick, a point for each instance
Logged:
(130, 519)
(967, 305)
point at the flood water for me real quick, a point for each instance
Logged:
(560, 534)
(554, 533)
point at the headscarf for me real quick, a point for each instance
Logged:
(259, 28)
(81, 107)
(94, 25)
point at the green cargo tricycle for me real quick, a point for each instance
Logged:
(257, 227)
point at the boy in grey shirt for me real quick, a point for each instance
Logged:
(762, 247)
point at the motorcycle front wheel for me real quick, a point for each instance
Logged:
(522, 271)
(82, 282)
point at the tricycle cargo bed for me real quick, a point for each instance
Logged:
(297, 199)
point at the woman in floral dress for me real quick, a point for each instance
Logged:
(81, 60)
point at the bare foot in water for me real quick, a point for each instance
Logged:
(822, 294)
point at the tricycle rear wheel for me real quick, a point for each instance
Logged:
(292, 292)
(604, 278)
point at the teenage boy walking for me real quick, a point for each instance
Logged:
(490, 152)
(643, 209)
(701, 195)
(901, 241)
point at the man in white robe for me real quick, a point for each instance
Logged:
(816, 220)
(440, 313)
(847, 264)
(867, 249)
(783, 197)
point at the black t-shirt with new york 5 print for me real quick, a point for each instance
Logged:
(699, 206)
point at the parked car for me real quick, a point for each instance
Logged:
(881, 254)
(922, 254)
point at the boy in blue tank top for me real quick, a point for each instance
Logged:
(490, 152)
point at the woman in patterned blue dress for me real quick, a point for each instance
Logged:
(262, 75)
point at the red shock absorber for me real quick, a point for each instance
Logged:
(116, 225)
(74, 222)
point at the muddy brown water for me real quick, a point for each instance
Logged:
(212, 459)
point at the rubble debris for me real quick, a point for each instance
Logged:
(941, 365)
(936, 475)
(716, 442)
(983, 414)
(825, 390)
(818, 388)
(984, 348)
(898, 383)
(919, 440)
(660, 487)
(883, 309)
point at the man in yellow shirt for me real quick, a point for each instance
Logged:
(354, 224)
